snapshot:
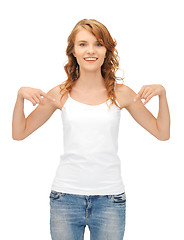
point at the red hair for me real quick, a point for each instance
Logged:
(111, 62)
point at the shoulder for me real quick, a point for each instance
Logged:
(125, 95)
(56, 92)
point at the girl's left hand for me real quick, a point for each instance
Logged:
(149, 91)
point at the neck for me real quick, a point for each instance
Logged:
(90, 81)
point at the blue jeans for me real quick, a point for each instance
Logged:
(70, 213)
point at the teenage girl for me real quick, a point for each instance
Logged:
(88, 187)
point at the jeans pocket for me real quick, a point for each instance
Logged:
(119, 198)
(56, 195)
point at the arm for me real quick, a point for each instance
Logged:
(163, 118)
(23, 127)
(18, 121)
(160, 127)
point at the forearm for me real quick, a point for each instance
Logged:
(18, 121)
(163, 118)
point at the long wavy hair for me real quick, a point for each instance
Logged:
(109, 67)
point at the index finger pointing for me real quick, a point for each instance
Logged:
(137, 97)
(139, 94)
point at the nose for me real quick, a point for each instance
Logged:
(90, 49)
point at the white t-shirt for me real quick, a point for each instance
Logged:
(90, 164)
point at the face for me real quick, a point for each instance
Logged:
(88, 51)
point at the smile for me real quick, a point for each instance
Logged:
(90, 59)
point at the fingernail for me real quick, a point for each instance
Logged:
(54, 99)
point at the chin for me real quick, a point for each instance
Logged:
(91, 69)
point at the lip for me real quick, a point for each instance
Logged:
(90, 61)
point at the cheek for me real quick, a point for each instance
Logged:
(76, 52)
(104, 52)
(102, 60)
(78, 56)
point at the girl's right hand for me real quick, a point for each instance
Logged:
(33, 95)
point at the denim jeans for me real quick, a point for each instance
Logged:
(70, 213)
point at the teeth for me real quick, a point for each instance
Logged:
(90, 58)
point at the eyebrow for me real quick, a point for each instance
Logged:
(84, 41)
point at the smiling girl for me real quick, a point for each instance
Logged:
(88, 188)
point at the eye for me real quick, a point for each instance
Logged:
(82, 44)
(99, 45)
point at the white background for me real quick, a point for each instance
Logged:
(32, 53)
